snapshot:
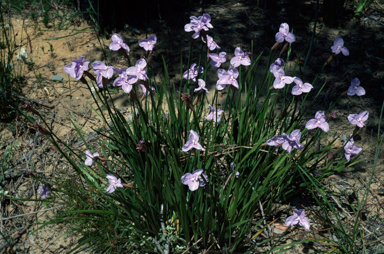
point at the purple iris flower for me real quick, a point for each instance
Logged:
(201, 84)
(289, 141)
(318, 122)
(195, 180)
(77, 68)
(145, 89)
(90, 158)
(193, 142)
(149, 43)
(276, 65)
(233, 166)
(355, 88)
(338, 46)
(44, 190)
(113, 183)
(292, 140)
(217, 59)
(118, 43)
(138, 70)
(120, 80)
(240, 58)
(99, 68)
(215, 115)
(127, 85)
(298, 217)
(358, 119)
(281, 79)
(284, 34)
(227, 78)
(276, 141)
(300, 88)
(198, 24)
(193, 72)
(351, 149)
(211, 44)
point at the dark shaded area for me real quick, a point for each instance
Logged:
(333, 12)
(115, 14)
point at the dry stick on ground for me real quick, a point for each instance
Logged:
(28, 38)
(192, 244)
(265, 224)
(42, 103)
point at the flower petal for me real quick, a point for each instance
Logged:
(290, 37)
(311, 124)
(291, 220)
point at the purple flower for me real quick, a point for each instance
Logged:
(300, 88)
(120, 80)
(127, 85)
(90, 158)
(284, 34)
(215, 115)
(338, 46)
(117, 43)
(138, 70)
(276, 65)
(44, 190)
(99, 80)
(217, 59)
(355, 88)
(276, 141)
(193, 142)
(318, 122)
(358, 119)
(99, 68)
(240, 58)
(113, 183)
(201, 84)
(289, 141)
(298, 217)
(281, 79)
(211, 44)
(292, 140)
(149, 43)
(77, 68)
(233, 166)
(193, 72)
(145, 89)
(198, 24)
(194, 180)
(227, 78)
(351, 149)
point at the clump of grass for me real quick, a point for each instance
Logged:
(174, 167)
